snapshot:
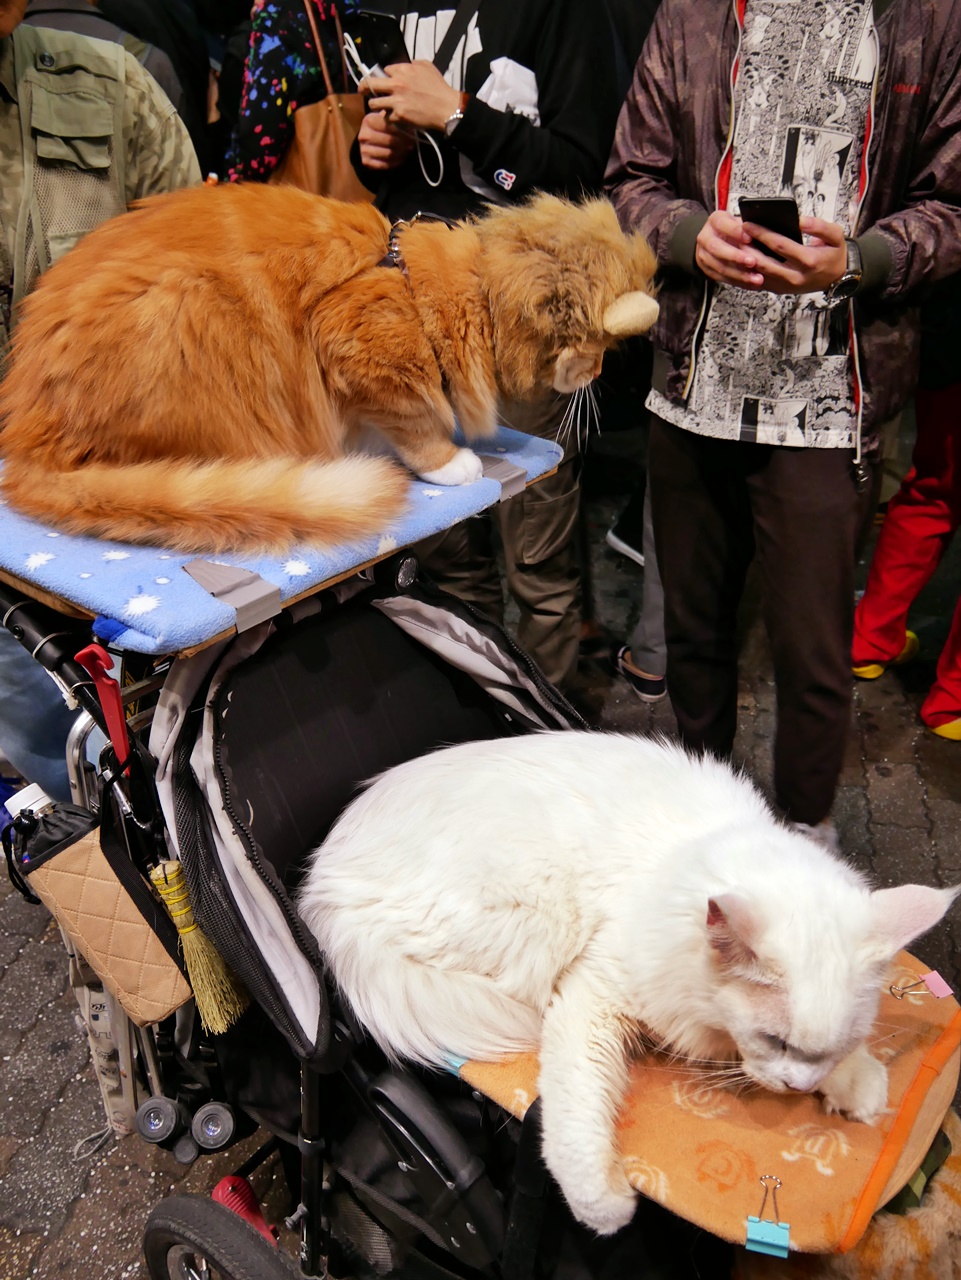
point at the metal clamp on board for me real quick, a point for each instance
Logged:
(768, 1235)
(511, 478)
(251, 597)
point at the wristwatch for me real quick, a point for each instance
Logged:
(848, 284)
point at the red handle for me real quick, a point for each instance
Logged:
(97, 661)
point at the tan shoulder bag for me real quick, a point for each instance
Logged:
(318, 158)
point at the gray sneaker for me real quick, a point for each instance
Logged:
(647, 688)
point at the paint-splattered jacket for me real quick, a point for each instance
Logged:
(281, 73)
(674, 129)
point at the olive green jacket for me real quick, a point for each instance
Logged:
(84, 130)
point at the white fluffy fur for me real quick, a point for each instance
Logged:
(554, 891)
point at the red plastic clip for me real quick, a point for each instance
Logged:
(95, 659)
(236, 1193)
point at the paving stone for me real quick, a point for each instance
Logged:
(19, 1251)
(20, 920)
(50, 1054)
(38, 977)
(105, 1231)
(43, 1179)
(9, 1146)
(895, 795)
(902, 855)
(939, 765)
(851, 819)
(888, 732)
(852, 768)
(945, 818)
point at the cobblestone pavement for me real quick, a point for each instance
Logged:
(899, 814)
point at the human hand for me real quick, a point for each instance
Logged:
(382, 144)
(415, 93)
(722, 252)
(807, 268)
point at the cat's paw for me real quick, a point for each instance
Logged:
(607, 1210)
(464, 468)
(858, 1087)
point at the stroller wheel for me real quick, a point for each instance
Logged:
(193, 1238)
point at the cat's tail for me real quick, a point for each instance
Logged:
(422, 1013)
(253, 506)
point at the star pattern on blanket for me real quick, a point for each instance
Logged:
(137, 606)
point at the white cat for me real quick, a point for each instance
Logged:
(554, 891)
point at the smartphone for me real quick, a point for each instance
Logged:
(773, 213)
(373, 41)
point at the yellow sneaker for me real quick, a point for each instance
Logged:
(871, 670)
(951, 730)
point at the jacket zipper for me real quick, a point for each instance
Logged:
(738, 7)
(863, 185)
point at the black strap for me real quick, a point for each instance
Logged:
(459, 24)
(13, 871)
(115, 851)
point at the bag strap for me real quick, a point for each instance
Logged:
(340, 45)
(328, 83)
(458, 26)
(115, 851)
(16, 879)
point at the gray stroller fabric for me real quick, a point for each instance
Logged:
(237, 772)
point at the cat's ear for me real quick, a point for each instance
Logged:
(905, 912)
(732, 929)
(629, 314)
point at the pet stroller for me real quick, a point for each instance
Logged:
(239, 757)
(255, 746)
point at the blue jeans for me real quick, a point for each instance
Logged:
(34, 720)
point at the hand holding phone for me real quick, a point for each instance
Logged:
(774, 213)
(723, 251)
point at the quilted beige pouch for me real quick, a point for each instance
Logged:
(97, 912)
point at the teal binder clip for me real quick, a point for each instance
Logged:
(767, 1235)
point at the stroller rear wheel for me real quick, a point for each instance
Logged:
(192, 1238)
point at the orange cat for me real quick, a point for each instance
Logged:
(195, 373)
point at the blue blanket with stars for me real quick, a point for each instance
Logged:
(142, 599)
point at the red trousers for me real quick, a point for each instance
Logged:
(921, 520)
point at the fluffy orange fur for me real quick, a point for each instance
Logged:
(195, 372)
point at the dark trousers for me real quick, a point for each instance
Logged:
(538, 534)
(716, 504)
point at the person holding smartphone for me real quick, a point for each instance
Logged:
(779, 356)
(525, 100)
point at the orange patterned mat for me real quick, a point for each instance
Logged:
(700, 1151)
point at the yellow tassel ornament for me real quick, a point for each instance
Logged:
(219, 996)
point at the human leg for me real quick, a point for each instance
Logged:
(461, 560)
(806, 510)
(538, 530)
(538, 533)
(34, 720)
(643, 661)
(648, 646)
(704, 544)
(941, 709)
(921, 519)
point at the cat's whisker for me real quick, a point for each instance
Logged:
(566, 423)
(594, 406)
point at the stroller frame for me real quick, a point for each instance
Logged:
(465, 1225)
